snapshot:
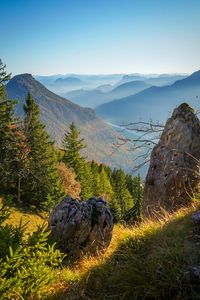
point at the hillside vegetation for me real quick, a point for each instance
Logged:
(31, 220)
(146, 262)
(146, 259)
(57, 113)
(34, 176)
(149, 261)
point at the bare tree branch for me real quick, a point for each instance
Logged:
(147, 136)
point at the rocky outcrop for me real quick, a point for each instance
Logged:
(196, 218)
(81, 226)
(173, 173)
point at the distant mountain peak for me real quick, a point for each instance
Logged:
(191, 80)
(26, 76)
(69, 80)
(195, 75)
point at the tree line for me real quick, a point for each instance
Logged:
(35, 173)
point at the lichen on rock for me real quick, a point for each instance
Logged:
(80, 227)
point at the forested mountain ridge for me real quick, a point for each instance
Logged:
(57, 113)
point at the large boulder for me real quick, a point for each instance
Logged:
(173, 173)
(80, 227)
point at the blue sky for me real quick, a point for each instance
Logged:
(100, 36)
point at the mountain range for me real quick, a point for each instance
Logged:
(94, 90)
(69, 81)
(129, 101)
(152, 103)
(57, 113)
(157, 80)
(78, 81)
(98, 96)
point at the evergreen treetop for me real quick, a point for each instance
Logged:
(73, 145)
(43, 182)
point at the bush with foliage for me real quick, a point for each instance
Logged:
(68, 179)
(26, 264)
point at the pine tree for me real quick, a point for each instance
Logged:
(129, 182)
(21, 163)
(86, 182)
(108, 171)
(135, 213)
(72, 157)
(4, 78)
(73, 145)
(115, 209)
(138, 194)
(43, 187)
(105, 187)
(95, 182)
(122, 195)
(7, 147)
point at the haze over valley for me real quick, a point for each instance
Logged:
(121, 99)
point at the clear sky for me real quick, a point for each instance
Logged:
(100, 36)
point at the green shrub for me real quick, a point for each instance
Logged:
(26, 264)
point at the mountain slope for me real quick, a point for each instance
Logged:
(128, 88)
(153, 103)
(97, 97)
(87, 98)
(57, 113)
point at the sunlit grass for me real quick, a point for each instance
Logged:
(148, 261)
(144, 262)
(32, 220)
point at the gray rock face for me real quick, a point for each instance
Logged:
(81, 226)
(174, 165)
(193, 275)
(196, 218)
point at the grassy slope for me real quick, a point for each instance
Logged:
(148, 262)
(30, 219)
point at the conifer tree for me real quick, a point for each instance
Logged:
(135, 213)
(95, 182)
(21, 163)
(105, 188)
(43, 186)
(72, 157)
(122, 195)
(73, 145)
(129, 182)
(138, 194)
(115, 209)
(7, 147)
(108, 171)
(86, 182)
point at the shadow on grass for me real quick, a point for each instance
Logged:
(152, 263)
